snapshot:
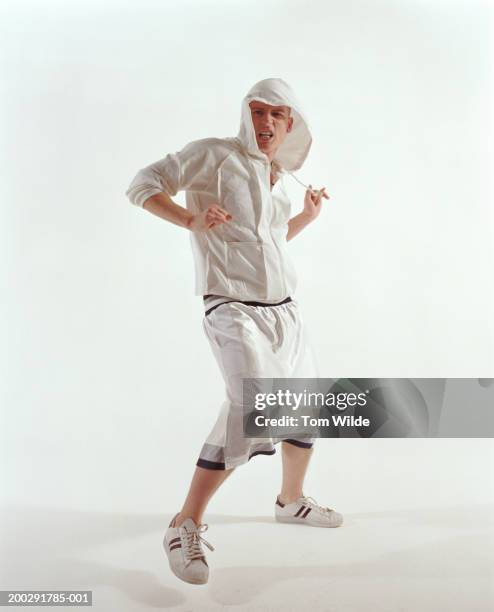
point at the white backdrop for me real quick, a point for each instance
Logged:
(109, 384)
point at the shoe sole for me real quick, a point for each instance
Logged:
(188, 581)
(297, 521)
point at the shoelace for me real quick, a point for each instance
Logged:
(192, 540)
(310, 501)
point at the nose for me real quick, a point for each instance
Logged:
(267, 125)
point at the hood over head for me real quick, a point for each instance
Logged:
(292, 153)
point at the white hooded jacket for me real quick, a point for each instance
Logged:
(245, 258)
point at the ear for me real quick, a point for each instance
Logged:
(290, 124)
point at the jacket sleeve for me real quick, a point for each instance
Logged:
(190, 169)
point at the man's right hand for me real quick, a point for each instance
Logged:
(163, 206)
(211, 217)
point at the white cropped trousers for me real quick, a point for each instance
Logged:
(252, 342)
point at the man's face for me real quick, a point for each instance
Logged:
(271, 125)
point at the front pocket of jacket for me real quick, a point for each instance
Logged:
(245, 263)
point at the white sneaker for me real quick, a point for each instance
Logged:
(305, 510)
(184, 551)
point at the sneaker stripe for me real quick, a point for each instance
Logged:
(175, 546)
(173, 541)
(301, 509)
(306, 512)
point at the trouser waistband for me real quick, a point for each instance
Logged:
(211, 302)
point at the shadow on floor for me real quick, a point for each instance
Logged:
(41, 547)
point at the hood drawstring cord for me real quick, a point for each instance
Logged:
(300, 182)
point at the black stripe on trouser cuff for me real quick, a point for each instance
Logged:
(300, 444)
(217, 465)
(285, 301)
(210, 465)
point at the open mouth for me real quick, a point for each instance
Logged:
(266, 136)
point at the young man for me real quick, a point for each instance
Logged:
(239, 220)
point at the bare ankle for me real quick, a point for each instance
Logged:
(288, 499)
(180, 518)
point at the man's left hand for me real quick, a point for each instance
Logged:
(312, 201)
